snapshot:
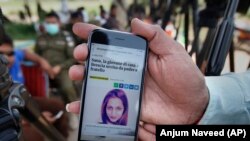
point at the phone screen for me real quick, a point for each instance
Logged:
(112, 93)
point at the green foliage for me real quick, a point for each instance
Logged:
(20, 31)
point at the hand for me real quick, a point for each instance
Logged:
(57, 69)
(174, 88)
(47, 67)
(49, 117)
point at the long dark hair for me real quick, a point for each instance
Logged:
(115, 93)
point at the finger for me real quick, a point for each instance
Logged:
(73, 107)
(81, 52)
(153, 63)
(150, 128)
(76, 72)
(144, 135)
(47, 113)
(159, 42)
(83, 29)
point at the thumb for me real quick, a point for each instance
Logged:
(159, 42)
(73, 107)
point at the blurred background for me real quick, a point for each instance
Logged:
(216, 34)
(24, 16)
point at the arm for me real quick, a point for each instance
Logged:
(41, 61)
(32, 57)
(37, 48)
(229, 101)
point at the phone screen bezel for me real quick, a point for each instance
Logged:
(115, 38)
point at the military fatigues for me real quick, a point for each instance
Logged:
(58, 50)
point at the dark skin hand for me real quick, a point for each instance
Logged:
(174, 90)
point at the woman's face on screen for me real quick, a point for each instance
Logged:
(114, 109)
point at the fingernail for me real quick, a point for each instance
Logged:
(67, 107)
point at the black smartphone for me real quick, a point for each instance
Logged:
(113, 86)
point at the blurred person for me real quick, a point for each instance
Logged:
(16, 57)
(75, 17)
(56, 46)
(85, 14)
(136, 11)
(102, 18)
(112, 22)
(51, 114)
(175, 90)
(115, 108)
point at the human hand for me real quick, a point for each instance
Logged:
(56, 69)
(174, 90)
(49, 116)
(47, 67)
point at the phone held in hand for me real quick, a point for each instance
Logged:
(113, 86)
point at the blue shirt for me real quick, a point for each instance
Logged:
(229, 101)
(15, 70)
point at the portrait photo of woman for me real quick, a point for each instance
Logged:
(114, 108)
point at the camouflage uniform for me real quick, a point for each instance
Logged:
(58, 50)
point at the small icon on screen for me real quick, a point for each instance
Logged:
(131, 86)
(136, 87)
(120, 85)
(116, 85)
(126, 86)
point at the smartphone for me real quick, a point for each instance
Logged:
(113, 86)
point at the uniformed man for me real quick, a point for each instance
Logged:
(57, 47)
(75, 17)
